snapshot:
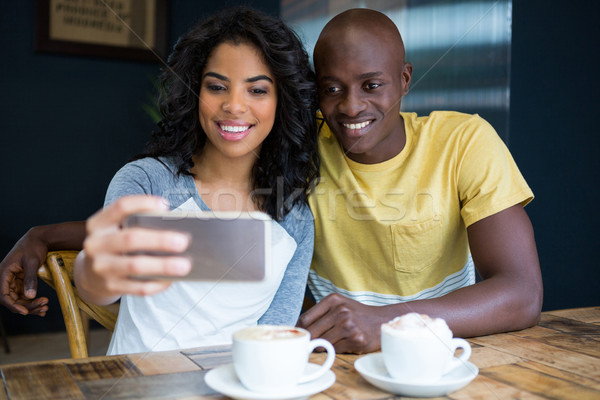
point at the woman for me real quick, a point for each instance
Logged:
(237, 134)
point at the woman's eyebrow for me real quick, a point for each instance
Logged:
(215, 75)
(226, 79)
(259, 78)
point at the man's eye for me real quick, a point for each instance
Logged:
(332, 89)
(373, 86)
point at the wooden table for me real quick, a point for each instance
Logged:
(557, 359)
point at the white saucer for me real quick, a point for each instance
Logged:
(371, 367)
(224, 380)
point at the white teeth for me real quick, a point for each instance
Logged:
(234, 129)
(357, 126)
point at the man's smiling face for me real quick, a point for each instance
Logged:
(362, 77)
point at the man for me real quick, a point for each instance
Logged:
(403, 206)
(403, 199)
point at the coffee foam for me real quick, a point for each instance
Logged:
(416, 324)
(269, 332)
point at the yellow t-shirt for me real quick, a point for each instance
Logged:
(396, 231)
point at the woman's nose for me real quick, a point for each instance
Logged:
(235, 103)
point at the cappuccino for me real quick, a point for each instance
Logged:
(273, 359)
(419, 349)
(414, 324)
(269, 332)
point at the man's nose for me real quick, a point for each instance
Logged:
(235, 103)
(352, 104)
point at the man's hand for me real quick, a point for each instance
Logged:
(18, 276)
(350, 326)
(18, 270)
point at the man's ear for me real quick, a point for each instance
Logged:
(407, 71)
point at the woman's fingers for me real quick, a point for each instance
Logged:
(125, 267)
(132, 240)
(118, 260)
(113, 214)
(134, 274)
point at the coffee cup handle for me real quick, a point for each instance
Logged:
(326, 365)
(456, 362)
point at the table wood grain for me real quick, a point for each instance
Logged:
(557, 359)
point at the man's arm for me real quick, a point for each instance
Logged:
(508, 298)
(18, 270)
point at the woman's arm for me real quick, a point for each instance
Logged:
(287, 303)
(18, 270)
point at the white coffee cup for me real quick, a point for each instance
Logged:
(273, 359)
(419, 349)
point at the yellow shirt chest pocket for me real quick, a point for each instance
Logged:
(417, 246)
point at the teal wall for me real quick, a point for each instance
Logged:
(554, 138)
(68, 123)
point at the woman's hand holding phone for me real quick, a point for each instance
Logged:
(112, 254)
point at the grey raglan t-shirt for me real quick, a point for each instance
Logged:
(192, 314)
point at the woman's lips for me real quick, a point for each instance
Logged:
(234, 132)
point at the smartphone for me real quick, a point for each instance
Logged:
(224, 246)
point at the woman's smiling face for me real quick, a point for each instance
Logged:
(238, 100)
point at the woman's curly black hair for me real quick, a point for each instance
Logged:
(288, 164)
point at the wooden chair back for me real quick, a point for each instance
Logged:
(57, 272)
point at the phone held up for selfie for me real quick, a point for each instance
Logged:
(224, 246)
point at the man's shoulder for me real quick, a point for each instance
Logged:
(447, 125)
(452, 118)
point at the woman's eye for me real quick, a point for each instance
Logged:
(215, 88)
(258, 91)
(332, 89)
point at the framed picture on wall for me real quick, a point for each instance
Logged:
(125, 29)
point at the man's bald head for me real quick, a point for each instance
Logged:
(358, 27)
